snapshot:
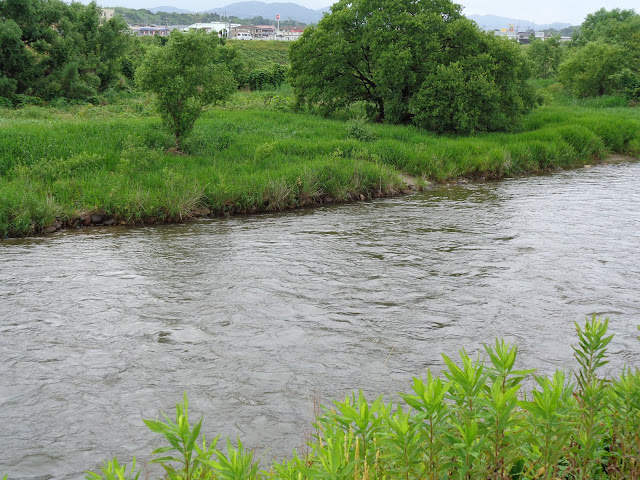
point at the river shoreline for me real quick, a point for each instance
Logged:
(411, 185)
(61, 172)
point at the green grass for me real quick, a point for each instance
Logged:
(254, 154)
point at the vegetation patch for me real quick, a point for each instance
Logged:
(58, 167)
(477, 420)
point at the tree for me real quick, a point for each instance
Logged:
(588, 71)
(545, 57)
(385, 52)
(15, 60)
(607, 25)
(50, 49)
(605, 58)
(185, 76)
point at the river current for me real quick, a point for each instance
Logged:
(258, 317)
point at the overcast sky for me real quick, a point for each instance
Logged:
(538, 11)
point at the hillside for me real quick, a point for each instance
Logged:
(287, 11)
(493, 22)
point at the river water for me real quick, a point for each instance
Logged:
(258, 317)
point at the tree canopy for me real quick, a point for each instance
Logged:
(50, 49)
(605, 57)
(402, 57)
(545, 56)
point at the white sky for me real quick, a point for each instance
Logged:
(538, 11)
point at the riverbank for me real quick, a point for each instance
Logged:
(87, 165)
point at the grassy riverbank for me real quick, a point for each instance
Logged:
(59, 166)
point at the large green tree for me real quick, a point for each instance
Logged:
(392, 53)
(187, 74)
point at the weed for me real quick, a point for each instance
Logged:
(112, 470)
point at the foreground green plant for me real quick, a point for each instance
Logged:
(112, 470)
(478, 424)
(190, 459)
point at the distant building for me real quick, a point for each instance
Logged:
(509, 34)
(221, 28)
(241, 32)
(523, 37)
(106, 14)
(154, 30)
(289, 33)
(263, 32)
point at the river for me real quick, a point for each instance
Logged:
(257, 317)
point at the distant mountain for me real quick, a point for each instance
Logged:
(287, 11)
(493, 22)
(168, 10)
(293, 11)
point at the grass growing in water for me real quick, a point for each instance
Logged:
(255, 155)
(474, 422)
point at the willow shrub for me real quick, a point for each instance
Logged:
(474, 422)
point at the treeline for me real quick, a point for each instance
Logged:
(146, 17)
(53, 51)
(50, 49)
(603, 57)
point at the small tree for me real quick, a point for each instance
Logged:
(185, 76)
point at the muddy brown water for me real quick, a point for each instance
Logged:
(254, 317)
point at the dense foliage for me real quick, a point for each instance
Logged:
(50, 49)
(473, 422)
(260, 64)
(185, 76)
(605, 57)
(545, 57)
(408, 60)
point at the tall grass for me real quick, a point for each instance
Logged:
(476, 421)
(60, 164)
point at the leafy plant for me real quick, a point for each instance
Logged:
(191, 460)
(550, 423)
(112, 470)
(433, 412)
(591, 354)
(237, 464)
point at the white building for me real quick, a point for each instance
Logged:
(212, 27)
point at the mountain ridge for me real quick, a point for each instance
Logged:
(294, 11)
